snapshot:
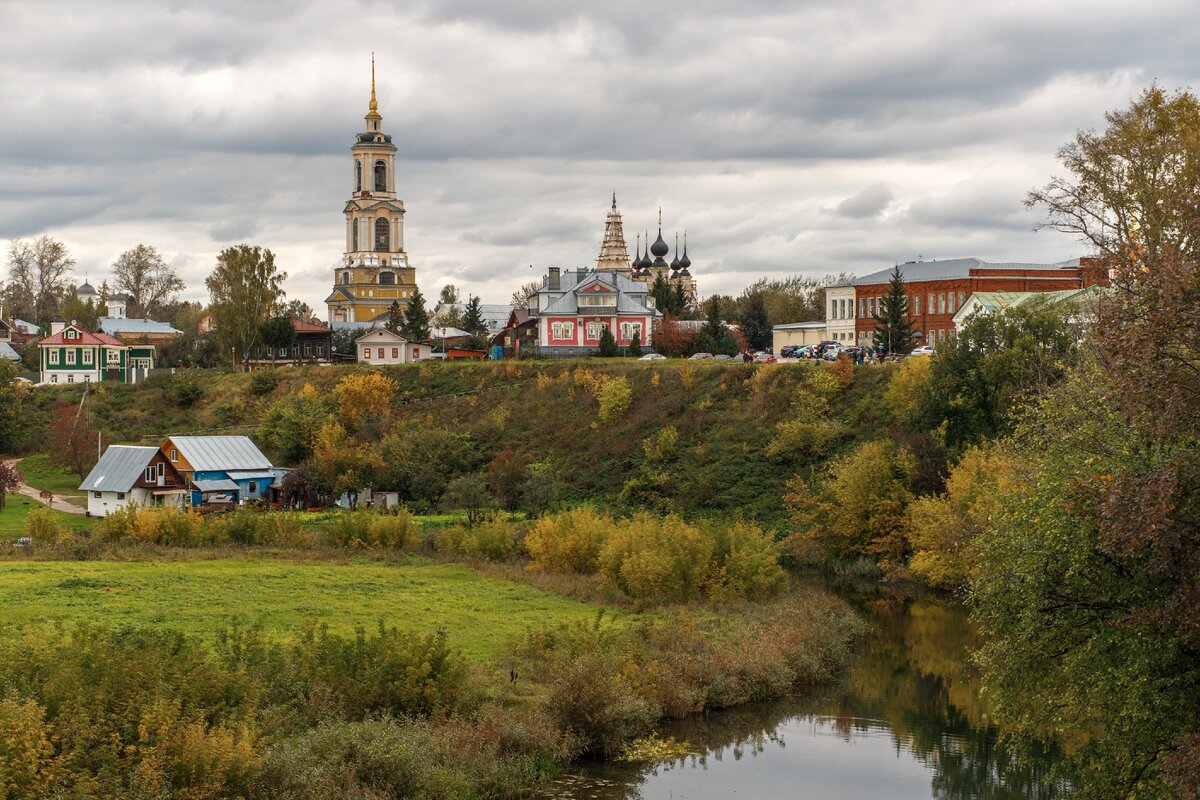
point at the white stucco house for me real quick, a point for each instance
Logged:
(384, 347)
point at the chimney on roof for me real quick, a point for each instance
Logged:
(57, 325)
(553, 283)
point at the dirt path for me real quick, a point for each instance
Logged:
(59, 502)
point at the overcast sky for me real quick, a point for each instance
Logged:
(785, 137)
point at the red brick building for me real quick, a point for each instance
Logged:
(937, 289)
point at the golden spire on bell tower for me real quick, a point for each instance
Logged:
(374, 104)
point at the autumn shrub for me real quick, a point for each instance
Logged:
(390, 671)
(614, 398)
(247, 526)
(944, 528)
(746, 564)
(805, 439)
(854, 507)
(45, 528)
(904, 391)
(656, 560)
(263, 381)
(185, 390)
(396, 529)
(568, 542)
(27, 763)
(662, 445)
(337, 758)
(493, 540)
(591, 695)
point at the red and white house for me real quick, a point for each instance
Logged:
(574, 308)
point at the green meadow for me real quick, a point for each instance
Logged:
(480, 614)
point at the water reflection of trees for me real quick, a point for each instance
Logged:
(914, 675)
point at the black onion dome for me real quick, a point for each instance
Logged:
(675, 262)
(685, 262)
(659, 248)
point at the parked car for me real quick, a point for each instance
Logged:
(923, 350)
(722, 357)
(700, 356)
(763, 357)
(652, 357)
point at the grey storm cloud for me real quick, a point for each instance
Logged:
(870, 202)
(784, 136)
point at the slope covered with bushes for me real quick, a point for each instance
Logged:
(697, 439)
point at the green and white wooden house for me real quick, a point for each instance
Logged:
(73, 355)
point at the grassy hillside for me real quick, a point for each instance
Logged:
(725, 417)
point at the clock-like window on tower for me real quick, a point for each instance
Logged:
(380, 176)
(358, 176)
(382, 229)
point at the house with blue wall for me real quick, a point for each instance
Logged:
(222, 469)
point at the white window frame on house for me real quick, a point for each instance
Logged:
(631, 329)
(562, 330)
(87, 357)
(916, 305)
(174, 454)
(932, 303)
(594, 330)
(54, 357)
(606, 299)
(114, 357)
(149, 475)
(71, 357)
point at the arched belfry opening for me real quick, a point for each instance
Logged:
(358, 176)
(380, 176)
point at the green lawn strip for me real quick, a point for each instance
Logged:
(40, 473)
(479, 614)
(16, 510)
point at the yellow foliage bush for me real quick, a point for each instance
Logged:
(661, 446)
(494, 540)
(943, 529)
(614, 398)
(656, 560)
(363, 395)
(45, 528)
(803, 439)
(568, 542)
(26, 766)
(903, 390)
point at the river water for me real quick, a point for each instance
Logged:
(906, 723)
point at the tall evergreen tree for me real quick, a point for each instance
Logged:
(635, 347)
(755, 325)
(473, 317)
(608, 345)
(395, 320)
(678, 300)
(416, 319)
(893, 329)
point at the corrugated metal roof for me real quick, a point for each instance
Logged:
(118, 325)
(222, 453)
(250, 474)
(952, 268)
(6, 351)
(795, 326)
(118, 469)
